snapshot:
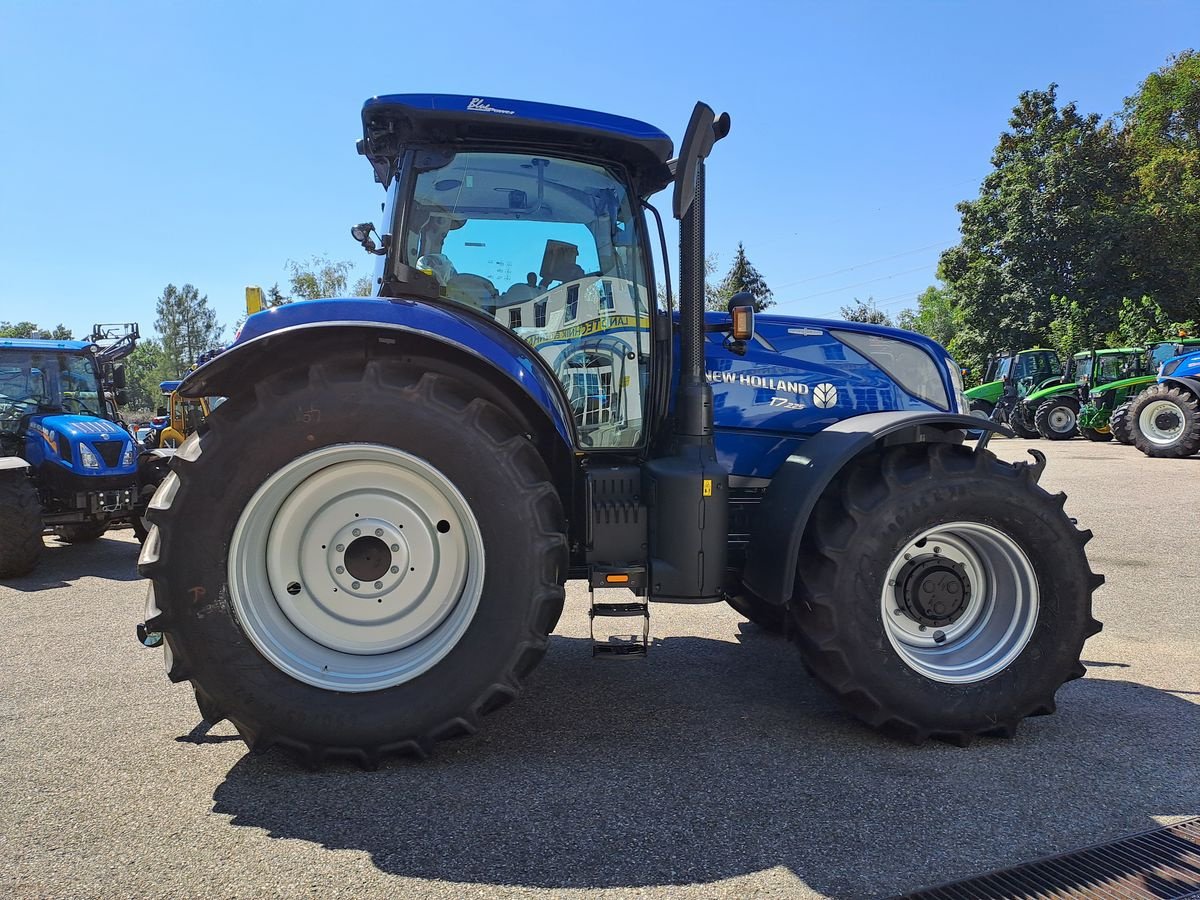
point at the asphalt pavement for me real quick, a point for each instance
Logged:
(714, 768)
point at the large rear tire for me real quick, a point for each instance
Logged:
(81, 533)
(20, 525)
(1166, 422)
(1057, 418)
(1118, 424)
(943, 593)
(379, 575)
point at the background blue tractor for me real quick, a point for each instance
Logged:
(520, 405)
(1164, 419)
(67, 462)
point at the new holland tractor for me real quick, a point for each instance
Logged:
(1009, 378)
(67, 464)
(1106, 414)
(1164, 419)
(1054, 411)
(519, 406)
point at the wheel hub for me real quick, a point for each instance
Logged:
(1062, 419)
(1166, 421)
(933, 590)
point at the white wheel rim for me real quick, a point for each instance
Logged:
(992, 622)
(1161, 422)
(356, 567)
(1061, 419)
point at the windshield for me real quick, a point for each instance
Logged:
(45, 381)
(1083, 368)
(550, 249)
(1113, 367)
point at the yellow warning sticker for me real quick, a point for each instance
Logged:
(707, 487)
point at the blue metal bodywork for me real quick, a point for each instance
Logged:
(764, 405)
(1185, 366)
(56, 439)
(764, 400)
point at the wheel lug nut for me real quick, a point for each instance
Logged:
(937, 549)
(908, 556)
(395, 548)
(919, 627)
(395, 569)
(378, 532)
(939, 637)
(897, 612)
(340, 569)
(378, 585)
(356, 532)
(340, 547)
(355, 584)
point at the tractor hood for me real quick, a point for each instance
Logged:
(801, 375)
(87, 445)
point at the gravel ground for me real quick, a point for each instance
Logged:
(714, 768)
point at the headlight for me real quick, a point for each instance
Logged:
(88, 458)
(127, 457)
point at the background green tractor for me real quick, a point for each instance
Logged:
(1106, 414)
(1008, 378)
(1054, 411)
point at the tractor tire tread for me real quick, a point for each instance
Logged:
(511, 449)
(20, 525)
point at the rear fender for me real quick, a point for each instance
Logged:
(438, 338)
(781, 518)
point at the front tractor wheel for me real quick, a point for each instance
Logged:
(1118, 424)
(1018, 420)
(378, 576)
(1057, 417)
(20, 525)
(943, 594)
(1166, 422)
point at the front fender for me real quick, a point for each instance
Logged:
(1188, 384)
(14, 464)
(300, 331)
(781, 518)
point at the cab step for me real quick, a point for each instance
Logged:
(624, 579)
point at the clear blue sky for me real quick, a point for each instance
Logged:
(147, 143)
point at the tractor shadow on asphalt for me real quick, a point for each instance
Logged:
(716, 759)
(113, 557)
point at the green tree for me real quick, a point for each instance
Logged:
(29, 329)
(187, 327)
(1144, 322)
(742, 276)
(866, 311)
(934, 316)
(145, 368)
(319, 277)
(1161, 137)
(1052, 219)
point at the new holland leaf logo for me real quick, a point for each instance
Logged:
(824, 395)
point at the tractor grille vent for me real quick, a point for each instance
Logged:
(110, 452)
(1163, 864)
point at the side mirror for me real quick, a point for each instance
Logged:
(741, 311)
(161, 412)
(118, 376)
(121, 398)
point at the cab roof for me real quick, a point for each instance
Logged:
(168, 387)
(393, 122)
(44, 344)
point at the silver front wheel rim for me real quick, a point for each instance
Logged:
(959, 602)
(1061, 419)
(356, 567)
(1161, 421)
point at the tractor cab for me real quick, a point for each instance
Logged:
(534, 220)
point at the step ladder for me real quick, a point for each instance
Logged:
(631, 579)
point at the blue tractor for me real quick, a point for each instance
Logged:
(520, 405)
(1164, 419)
(67, 463)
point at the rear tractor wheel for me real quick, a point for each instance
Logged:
(1057, 418)
(961, 617)
(1166, 422)
(20, 525)
(370, 583)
